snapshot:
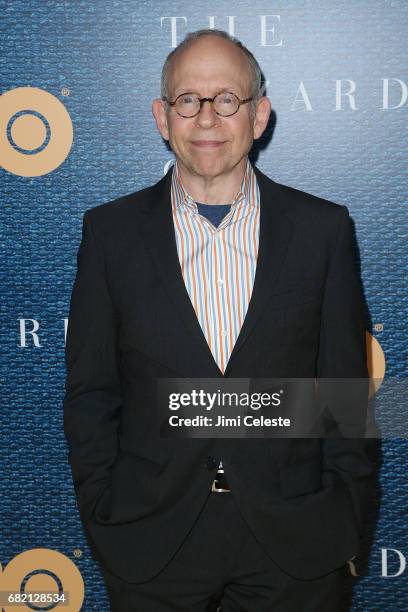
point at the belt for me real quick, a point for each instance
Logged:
(220, 483)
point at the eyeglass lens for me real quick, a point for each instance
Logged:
(224, 104)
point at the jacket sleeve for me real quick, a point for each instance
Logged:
(343, 375)
(93, 394)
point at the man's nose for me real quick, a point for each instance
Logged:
(207, 115)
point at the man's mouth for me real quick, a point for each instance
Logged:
(208, 144)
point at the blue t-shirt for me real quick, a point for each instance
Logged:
(213, 212)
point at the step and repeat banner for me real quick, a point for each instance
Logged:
(77, 79)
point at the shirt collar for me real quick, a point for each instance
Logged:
(181, 196)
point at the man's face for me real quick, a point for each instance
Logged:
(208, 145)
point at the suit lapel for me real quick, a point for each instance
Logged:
(157, 232)
(274, 236)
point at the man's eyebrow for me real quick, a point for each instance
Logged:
(184, 90)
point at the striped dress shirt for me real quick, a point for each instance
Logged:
(218, 264)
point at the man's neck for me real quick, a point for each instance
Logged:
(213, 190)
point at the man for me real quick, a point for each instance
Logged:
(214, 272)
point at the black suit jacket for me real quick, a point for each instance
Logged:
(131, 321)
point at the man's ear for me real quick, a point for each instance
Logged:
(160, 116)
(262, 113)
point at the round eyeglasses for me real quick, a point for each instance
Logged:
(224, 104)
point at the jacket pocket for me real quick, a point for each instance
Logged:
(301, 478)
(295, 298)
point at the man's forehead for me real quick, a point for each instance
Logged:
(209, 52)
(200, 66)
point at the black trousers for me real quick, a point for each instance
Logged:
(221, 567)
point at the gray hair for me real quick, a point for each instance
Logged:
(257, 87)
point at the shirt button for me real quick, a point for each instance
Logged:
(210, 463)
(224, 333)
(220, 281)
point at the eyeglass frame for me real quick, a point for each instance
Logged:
(211, 100)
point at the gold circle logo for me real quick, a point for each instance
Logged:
(375, 363)
(36, 132)
(41, 579)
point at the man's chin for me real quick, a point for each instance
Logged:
(209, 168)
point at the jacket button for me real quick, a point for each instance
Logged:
(210, 463)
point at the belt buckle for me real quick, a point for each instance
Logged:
(216, 489)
